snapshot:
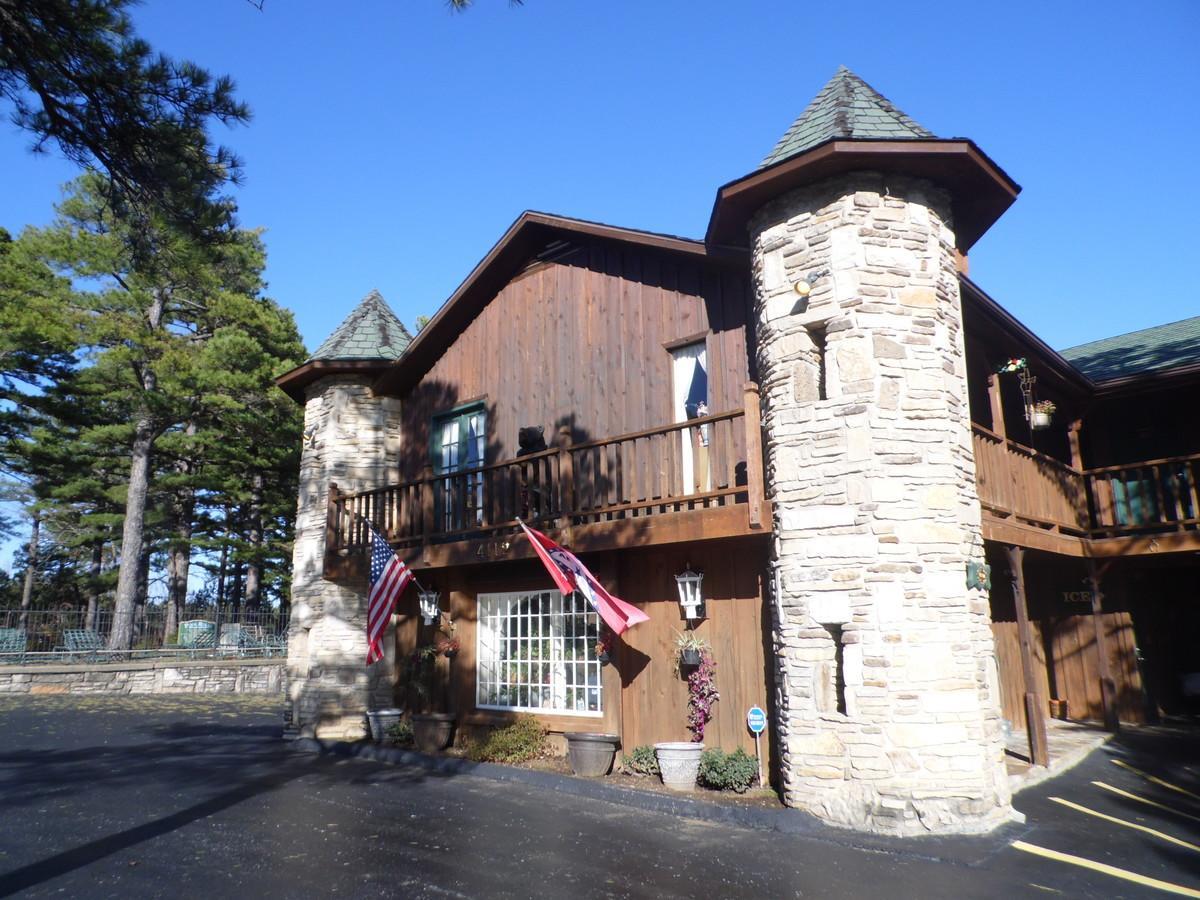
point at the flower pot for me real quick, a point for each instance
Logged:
(689, 657)
(381, 720)
(679, 763)
(432, 732)
(1040, 421)
(591, 754)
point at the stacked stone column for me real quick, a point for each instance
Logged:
(352, 439)
(889, 713)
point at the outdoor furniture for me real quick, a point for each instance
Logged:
(197, 633)
(83, 642)
(12, 645)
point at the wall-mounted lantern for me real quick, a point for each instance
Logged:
(691, 597)
(429, 605)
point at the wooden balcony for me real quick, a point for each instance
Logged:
(697, 480)
(1037, 501)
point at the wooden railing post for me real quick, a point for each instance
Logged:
(1108, 687)
(332, 516)
(427, 505)
(754, 460)
(997, 403)
(566, 472)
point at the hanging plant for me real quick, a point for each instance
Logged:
(702, 695)
(1016, 364)
(1041, 414)
(604, 646)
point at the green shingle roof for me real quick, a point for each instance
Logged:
(372, 331)
(847, 107)
(1149, 350)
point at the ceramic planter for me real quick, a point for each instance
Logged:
(1041, 420)
(381, 720)
(591, 754)
(432, 732)
(679, 764)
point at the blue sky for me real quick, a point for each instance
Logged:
(393, 143)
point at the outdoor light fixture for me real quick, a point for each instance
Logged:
(691, 599)
(804, 287)
(429, 606)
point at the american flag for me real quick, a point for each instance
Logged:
(389, 577)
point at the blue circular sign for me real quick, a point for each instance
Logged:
(756, 720)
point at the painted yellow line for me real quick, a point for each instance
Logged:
(1168, 886)
(1100, 815)
(1141, 799)
(1152, 779)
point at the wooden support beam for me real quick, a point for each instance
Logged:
(1035, 713)
(997, 403)
(754, 464)
(1108, 687)
(1073, 439)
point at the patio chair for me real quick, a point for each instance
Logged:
(83, 642)
(12, 645)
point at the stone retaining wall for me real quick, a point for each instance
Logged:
(201, 676)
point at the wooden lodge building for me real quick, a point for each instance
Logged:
(808, 407)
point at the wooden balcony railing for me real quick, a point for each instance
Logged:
(703, 463)
(1156, 495)
(1017, 481)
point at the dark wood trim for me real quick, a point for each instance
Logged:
(701, 337)
(294, 382)
(1108, 687)
(982, 191)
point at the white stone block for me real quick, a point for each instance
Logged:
(830, 608)
(797, 518)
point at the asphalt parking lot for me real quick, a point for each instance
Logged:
(193, 796)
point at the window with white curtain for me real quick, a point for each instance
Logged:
(537, 653)
(689, 388)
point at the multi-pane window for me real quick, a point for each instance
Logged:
(459, 444)
(537, 653)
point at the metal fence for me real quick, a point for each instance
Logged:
(201, 632)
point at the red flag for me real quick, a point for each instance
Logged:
(571, 575)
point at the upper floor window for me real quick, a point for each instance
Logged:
(459, 445)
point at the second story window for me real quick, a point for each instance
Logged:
(459, 445)
(689, 382)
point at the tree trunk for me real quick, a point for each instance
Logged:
(133, 534)
(238, 591)
(93, 585)
(254, 567)
(179, 557)
(223, 566)
(30, 571)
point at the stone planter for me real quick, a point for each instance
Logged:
(432, 732)
(679, 763)
(591, 754)
(381, 720)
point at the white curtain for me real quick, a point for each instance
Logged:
(689, 384)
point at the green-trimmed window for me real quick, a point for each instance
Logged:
(459, 445)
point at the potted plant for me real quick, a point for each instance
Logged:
(446, 641)
(591, 753)
(689, 649)
(679, 763)
(431, 731)
(381, 720)
(1041, 414)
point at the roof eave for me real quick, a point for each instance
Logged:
(294, 382)
(982, 191)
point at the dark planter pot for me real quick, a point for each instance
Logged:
(689, 657)
(433, 732)
(604, 658)
(591, 754)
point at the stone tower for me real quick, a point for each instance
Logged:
(888, 707)
(351, 439)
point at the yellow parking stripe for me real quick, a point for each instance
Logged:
(1168, 886)
(1100, 815)
(1151, 778)
(1140, 799)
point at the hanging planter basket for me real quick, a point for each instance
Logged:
(1040, 421)
(689, 657)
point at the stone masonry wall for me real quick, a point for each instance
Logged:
(352, 439)
(248, 676)
(876, 512)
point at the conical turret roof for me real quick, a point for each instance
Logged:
(847, 107)
(371, 331)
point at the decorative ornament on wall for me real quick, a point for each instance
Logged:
(804, 287)
(979, 576)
